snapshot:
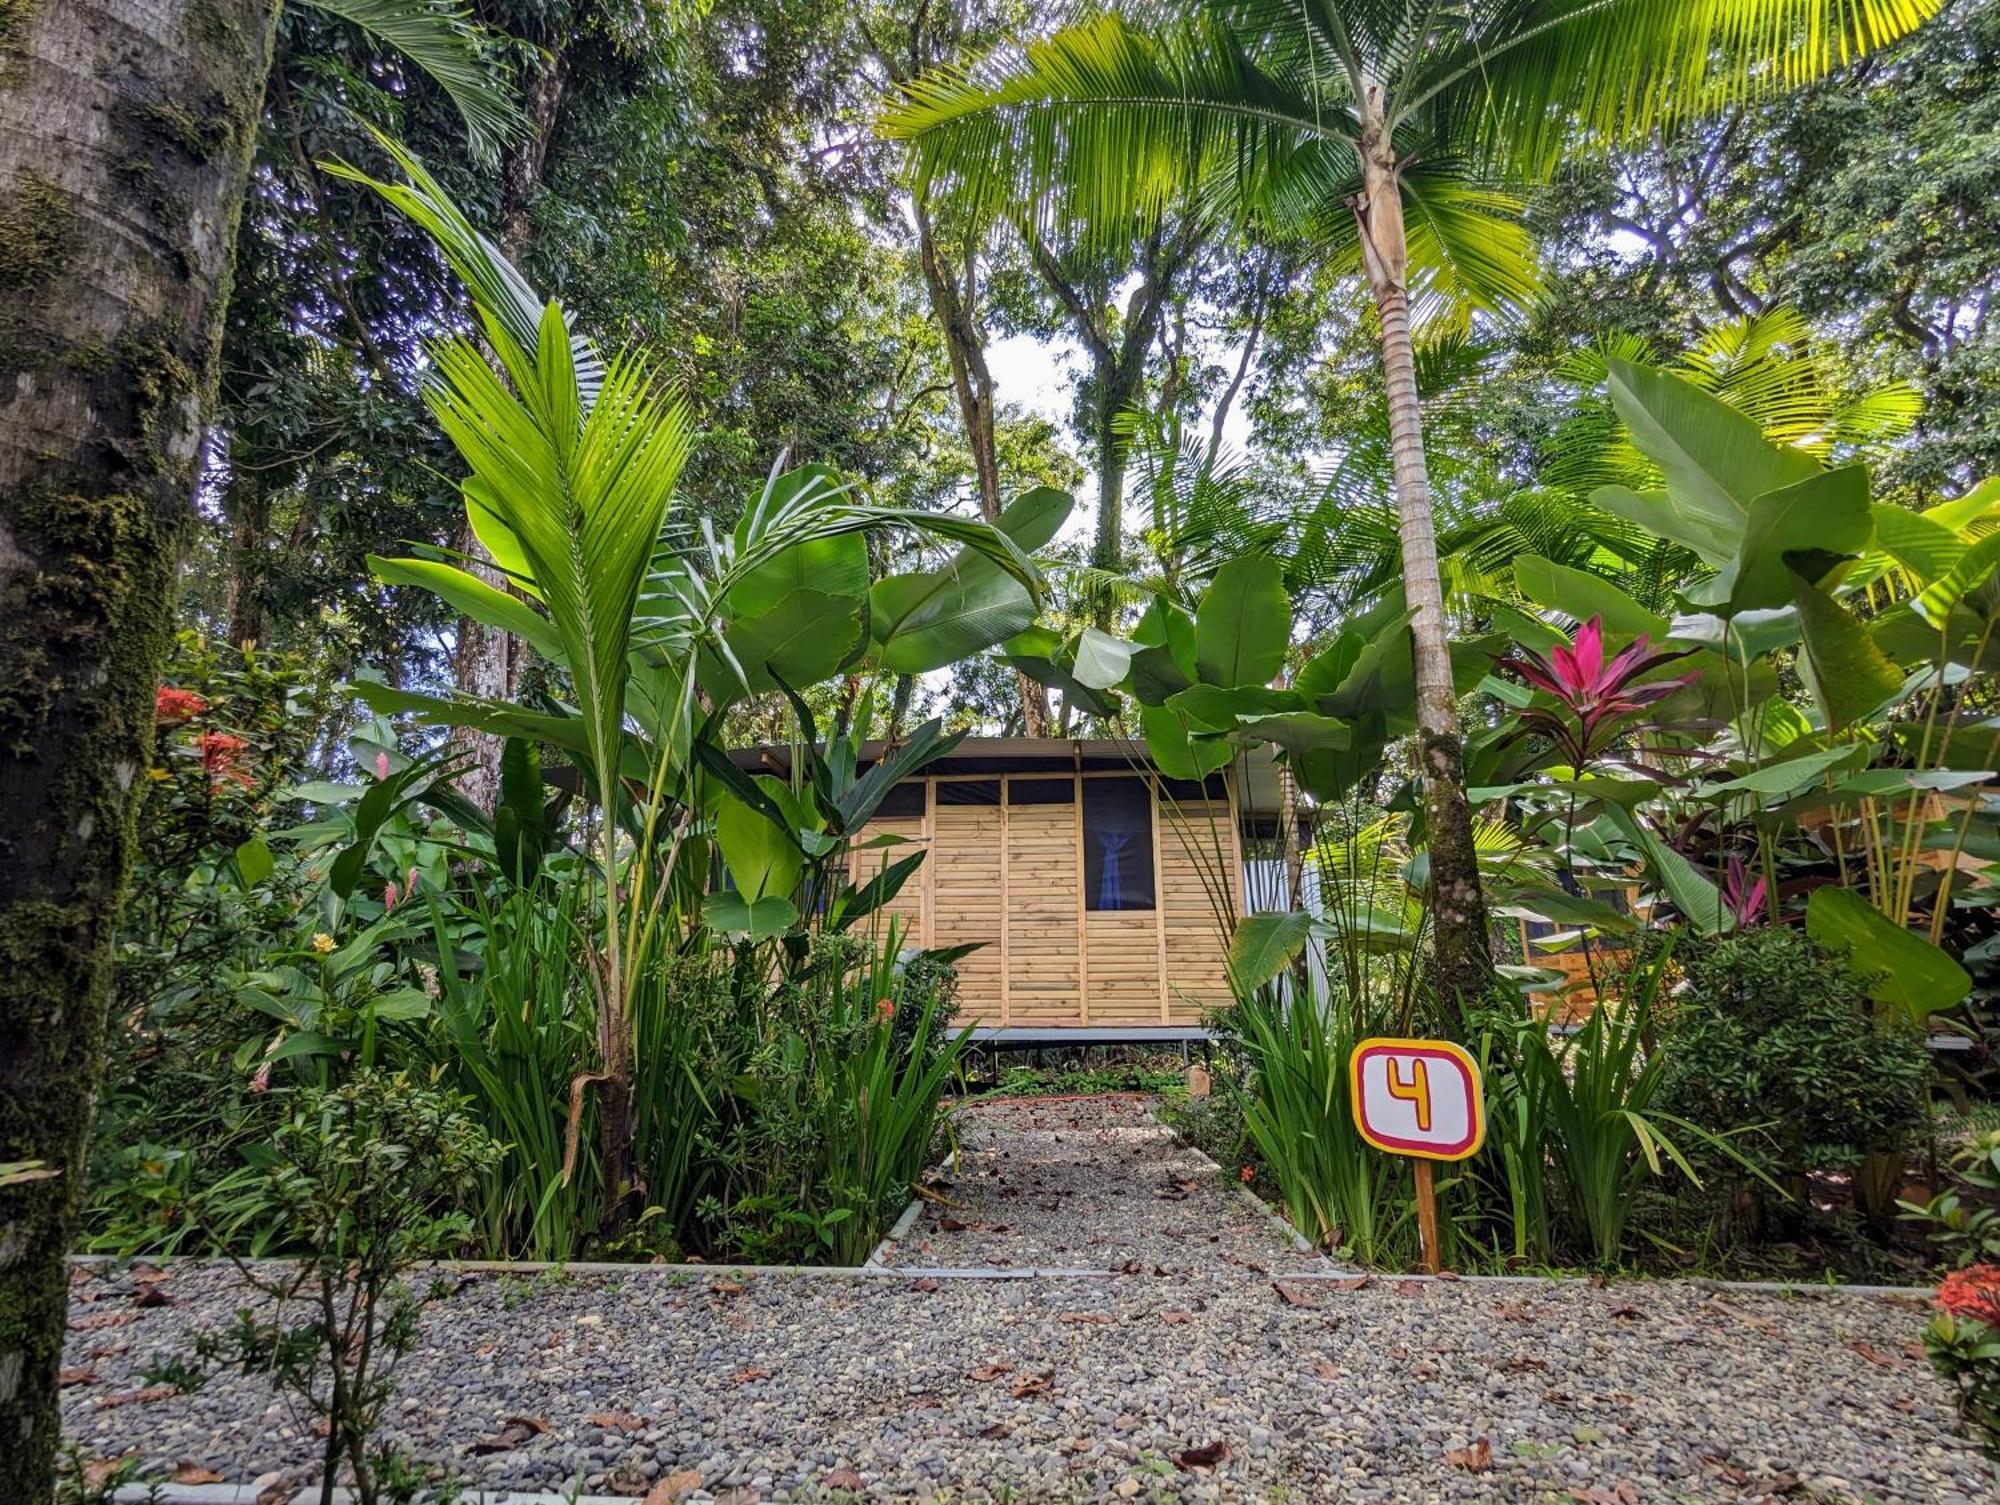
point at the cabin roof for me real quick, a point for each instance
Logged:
(1256, 768)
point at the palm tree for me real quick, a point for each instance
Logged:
(1395, 132)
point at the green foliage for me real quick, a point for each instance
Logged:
(1767, 1033)
(1964, 1219)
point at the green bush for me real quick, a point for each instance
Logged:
(1769, 1034)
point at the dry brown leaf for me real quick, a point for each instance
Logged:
(745, 1376)
(190, 1472)
(518, 1430)
(841, 1478)
(726, 1287)
(1476, 1459)
(1409, 1288)
(1033, 1384)
(79, 1376)
(138, 1397)
(1628, 1314)
(674, 1487)
(1076, 1445)
(1291, 1294)
(926, 1284)
(1916, 1351)
(1200, 1460)
(996, 1431)
(1515, 1311)
(101, 1320)
(1875, 1355)
(1176, 1319)
(1523, 1363)
(616, 1421)
(98, 1471)
(1097, 1319)
(150, 1296)
(1326, 1371)
(1356, 1283)
(986, 1372)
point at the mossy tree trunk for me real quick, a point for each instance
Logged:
(126, 128)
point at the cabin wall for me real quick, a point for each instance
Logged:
(1011, 876)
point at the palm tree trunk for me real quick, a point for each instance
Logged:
(1462, 959)
(125, 137)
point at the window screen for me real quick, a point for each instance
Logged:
(968, 791)
(1117, 844)
(906, 799)
(1041, 791)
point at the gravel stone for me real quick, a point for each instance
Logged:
(981, 1390)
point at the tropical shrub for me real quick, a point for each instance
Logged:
(1963, 1341)
(1964, 1219)
(1767, 1033)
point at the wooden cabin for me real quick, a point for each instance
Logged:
(1090, 882)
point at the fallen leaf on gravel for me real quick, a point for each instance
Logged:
(1099, 1319)
(745, 1376)
(1409, 1288)
(925, 1285)
(674, 1487)
(1357, 1283)
(841, 1478)
(1515, 1311)
(1875, 1355)
(1033, 1384)
(151, 1295)
(1771, 1488)
(1204, 1458)
(1176, 1319)
(996, 1431)
(517, 1431)
(1523, 1364)
(616, 1421)
(68, 1377)
(190, 1472)
(1734, 1473)
(1291, 1294)
(98, 1471)
(1629, 1314)
(987, 1372)
(1476, 1459)
(1076, 1445)
(108, 1350)
(138, 1397)
(102, 1320)
(1326, 1371)
(726, 1287)
(1915, 1351)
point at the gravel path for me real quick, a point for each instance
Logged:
(1094, 1183)
(1133, 1386)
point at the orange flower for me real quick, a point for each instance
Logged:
(1972, 1292)
(172, 706)
(886, 1007)
(1246, 1175)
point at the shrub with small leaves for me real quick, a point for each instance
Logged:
(368, 1174)
(1963, 1341)
(1961, 1222)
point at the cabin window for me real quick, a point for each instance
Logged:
(1117, 844)
(905, 800)
(1060, 791)
(968, 791)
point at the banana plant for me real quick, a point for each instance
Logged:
(573, 459)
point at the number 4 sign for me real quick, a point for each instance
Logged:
(1419, 1098)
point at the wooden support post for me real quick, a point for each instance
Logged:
(1427, 1218)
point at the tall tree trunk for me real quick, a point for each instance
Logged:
(1463, 967)
(126, 128)
(488, 661)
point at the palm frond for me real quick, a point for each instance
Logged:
(454, 51)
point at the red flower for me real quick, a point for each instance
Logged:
(1246, 1175)
(1595, 696)
(886, 1007)
(172, 706)
(222, 757)
(1972, 1292)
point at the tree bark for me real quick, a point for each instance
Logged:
(126, 128)
(1461, 957)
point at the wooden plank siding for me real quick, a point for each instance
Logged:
(1011, 876)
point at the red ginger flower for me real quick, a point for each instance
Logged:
(1972, 1292)
(172, 706)
(222, 757)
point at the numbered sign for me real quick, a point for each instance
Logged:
(1418, 1098)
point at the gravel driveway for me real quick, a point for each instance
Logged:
(1211, 1381)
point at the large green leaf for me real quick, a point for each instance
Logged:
(1263, 946)
(928, 620)
(1175, 752)
(1799, 530)
(1102, 661)
(763, 858)
(1902, 970)
(1582, 596)
(1302, 734)
(1714, 457)
(806, 637)
(1919, 542)
(1214, 708)
(1787, 776)
(470, 596)
(1692, 893)
(729, 914)
(1850, 674)
(1243, 624)
(832, 565)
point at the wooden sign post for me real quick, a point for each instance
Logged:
(1419, 1098)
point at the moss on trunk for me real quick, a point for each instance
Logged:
(108, 345)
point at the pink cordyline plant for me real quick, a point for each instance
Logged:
(1746, 903)
(1597, 696)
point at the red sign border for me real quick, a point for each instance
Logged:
(1437, 1050)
